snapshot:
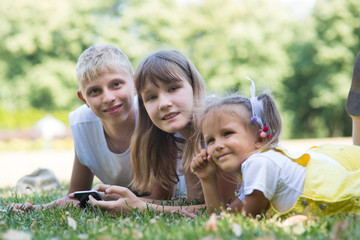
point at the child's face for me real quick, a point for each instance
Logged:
(110, 96)
(169, 105)
(228, 142)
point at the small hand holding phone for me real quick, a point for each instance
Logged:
(83, 196)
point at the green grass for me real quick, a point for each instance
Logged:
(56, 224)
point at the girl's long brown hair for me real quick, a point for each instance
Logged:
(153, 152)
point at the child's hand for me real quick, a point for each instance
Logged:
(126, 201)
(101, 188)
(21, 207)
(203, 165)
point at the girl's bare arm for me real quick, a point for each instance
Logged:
(212, 194)
(81, 177)
(128, 201)
(254, 204)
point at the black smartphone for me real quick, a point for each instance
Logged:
(83, 196)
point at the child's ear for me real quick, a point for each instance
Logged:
(259, 141)
(81, 97)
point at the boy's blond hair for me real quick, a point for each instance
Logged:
(99, 59)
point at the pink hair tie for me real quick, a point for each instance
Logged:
(264, 131)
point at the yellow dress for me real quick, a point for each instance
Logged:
(329, 188)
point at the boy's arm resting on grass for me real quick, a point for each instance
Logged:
(81, 177)
(26, 206)
(61, 202)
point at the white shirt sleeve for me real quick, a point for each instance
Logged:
(260, 173)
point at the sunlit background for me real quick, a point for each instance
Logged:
(302, 50)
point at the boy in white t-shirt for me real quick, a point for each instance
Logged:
(103, 127)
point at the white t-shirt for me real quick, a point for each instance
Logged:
(92, 149)
(279, 178)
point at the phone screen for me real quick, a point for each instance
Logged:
(83, 196)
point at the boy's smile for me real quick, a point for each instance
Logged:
(114, 109)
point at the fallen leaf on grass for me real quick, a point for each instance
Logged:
(225, 214)
(33, 225)
(153, 220)
(211, 224)
(265, 238)
(291, 221)
(188, 213)
(211, 238)
(72, 223)
(65, 216)
(294, 224)
(126, 231)
(103, 229)
(236, 229)
(137, 234)
(104, 237)
(83, 236)
(338, 230)
(92, 220)
(30, 201)
(16, 234)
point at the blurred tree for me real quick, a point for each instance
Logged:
(306, 60)
(240, 40)
(225, 39)
(322, 59)
(39, 45)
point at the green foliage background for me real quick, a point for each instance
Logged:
(306, 59)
